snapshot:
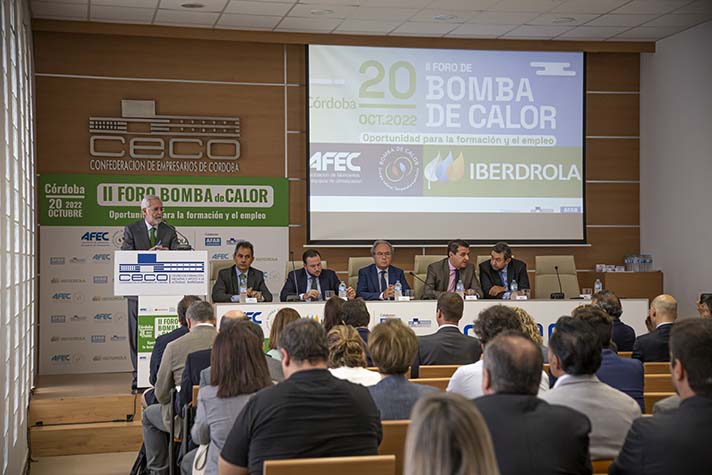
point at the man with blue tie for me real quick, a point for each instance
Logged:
(377, 281)
(311, 282)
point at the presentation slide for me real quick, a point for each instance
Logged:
(427, 145)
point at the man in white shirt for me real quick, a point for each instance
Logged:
(467, 380)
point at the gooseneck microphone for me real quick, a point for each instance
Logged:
(560, 294)
(181, 247)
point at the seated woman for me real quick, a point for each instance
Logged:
(238, 369)
(283, 318)
(347, 357)
(332, 313)
(531, 330)
(393, 346)
(448, 435)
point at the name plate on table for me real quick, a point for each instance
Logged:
(404, 298)
(470, 297)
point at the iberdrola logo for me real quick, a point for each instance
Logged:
(448, 169)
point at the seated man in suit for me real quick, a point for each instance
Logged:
(242, 275)
(529, 435)
(624, 374)
(447, 345)
(623, 335)
(677, 442)
(311, 281)
(377, 281)
(497, 274)
(574, 358)
(661, 316)
(444, 275)
(156, 418)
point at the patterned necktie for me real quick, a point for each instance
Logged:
(384, 284)
(152, 236)
(242, 279)
(313, 283)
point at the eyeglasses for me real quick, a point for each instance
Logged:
(383, 254)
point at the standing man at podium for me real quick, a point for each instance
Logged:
(147, 234)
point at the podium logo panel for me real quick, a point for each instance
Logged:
(160, 273)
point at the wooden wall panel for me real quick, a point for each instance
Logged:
(296, 109)
(297, 155)
(297, 202)
(613, 159)
(613, 203)
(613, 115)
(140, 57)
(296, 64)
(613, 72)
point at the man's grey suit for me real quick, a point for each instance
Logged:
(438, 278)
(136, 239)
(226, 285)
(447, 346)
(610, 411)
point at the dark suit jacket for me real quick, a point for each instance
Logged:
(327, 280)
(368, 281)
(653, 346)
(159, 347)
(676, 442)
(438, 278)
(533, 437)
(136, 237)
(446, 346)
(624, 374)
(226, 284)
(194, 363)
(623, 335)
(489, 277)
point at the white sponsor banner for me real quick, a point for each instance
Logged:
(160, 273)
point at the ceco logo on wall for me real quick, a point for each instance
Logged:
(142, 134)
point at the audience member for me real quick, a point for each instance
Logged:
(393, 346)
(310, 414)
(467, 379)
(355, 313)
(241, 275)
(444, 275)
(238, 370)
(347, 358)
(284, 317)
(677, 442)
(497, 273)
(377, 281)
(156, 418)
(311, 281)
(624, 374)
(332, 313)
(530, 329)
(704, 306)
(447, 346)
(623, 335)
(574, 358)
(529, 435)
(448, 436)
(654, 345)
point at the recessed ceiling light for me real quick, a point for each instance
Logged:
(563, 19)
(192, 5)
(321, 12)
(445, 17)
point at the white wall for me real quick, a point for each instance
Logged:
(676, 162)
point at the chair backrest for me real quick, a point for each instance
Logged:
(658, 383)
(546, 281)
(371, 464)
(420, 268)
(194, 402)
(295, 265)
(480, 260)
(600, 467)
(625, 354)
(215, 267)
(651, 398)
(657, 368)
(355, 265)
(437, 371)
(438, 383)
(393, 442)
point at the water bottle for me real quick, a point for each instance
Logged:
(243, 288)
(597, 286)
(342, 290)
(460, 289)
(513, 287)
(398, 289)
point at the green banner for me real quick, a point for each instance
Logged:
(109, 200)
(151, 327)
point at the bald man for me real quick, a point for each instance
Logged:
(661, 316)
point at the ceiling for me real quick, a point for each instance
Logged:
(597, 20)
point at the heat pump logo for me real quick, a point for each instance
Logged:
(140, 133)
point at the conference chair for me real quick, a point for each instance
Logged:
(600, 467)
(480, 260)
(657, 368)
(215, 267)
(625, 354)
(295, 265)
(437, 371)
(355, 265)
(393, 442)
(370, 464)
(650, 398)
(420, 268)
(546, 281)
(657, 383)
(437, 383)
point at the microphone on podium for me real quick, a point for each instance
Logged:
(560, 294)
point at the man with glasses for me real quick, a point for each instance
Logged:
(377, 281)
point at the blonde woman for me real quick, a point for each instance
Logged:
(531, 330)
(347, 357)
(283, 318)
(448, 436)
